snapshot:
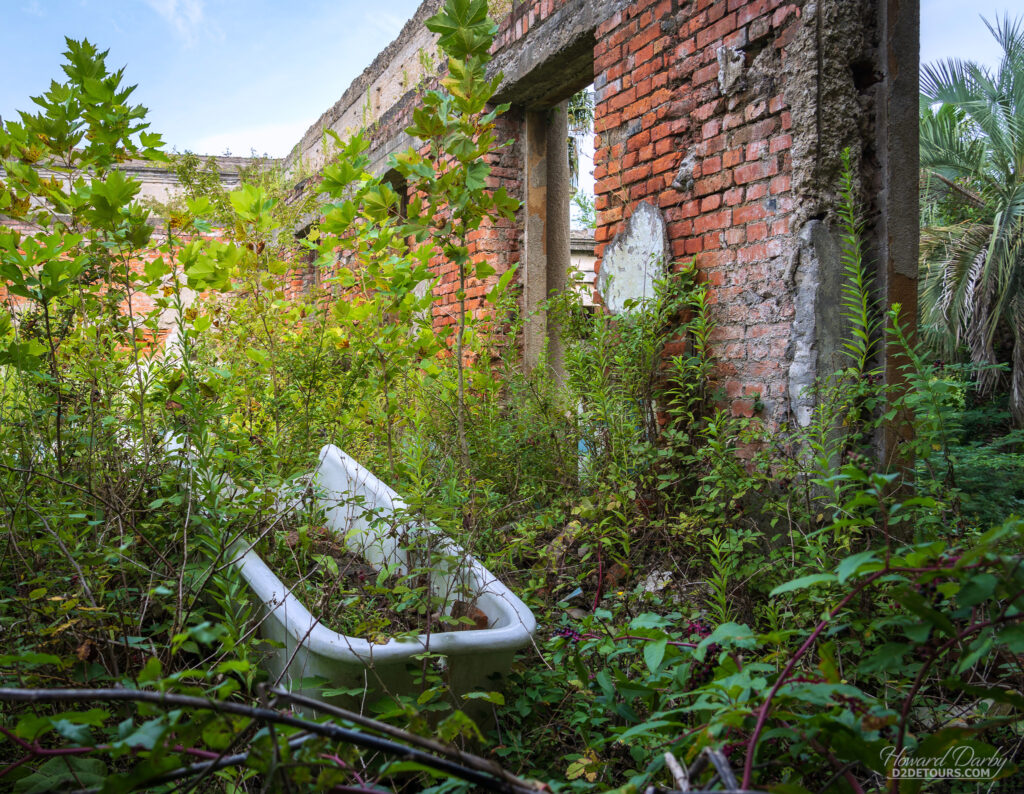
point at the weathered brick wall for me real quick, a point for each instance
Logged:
(720, 170)
(497, 243)
(729, 117)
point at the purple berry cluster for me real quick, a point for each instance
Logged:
(570, 634)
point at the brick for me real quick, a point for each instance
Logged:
(711, 146)
(706, 111)
(754, 110)
(751, 172)
(753, 253)
(710, 203)
(780, 143)
(749, 213)
(714, 220)
(751, 9)
(711, 165)
(755, 192)
(732, 158)
(757, 231)
(785, 38)
(782, 14)
(712, 184)
(642, 39)
(755, 149)
(720, 29)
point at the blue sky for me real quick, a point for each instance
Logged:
(215, 74)
(237, 75)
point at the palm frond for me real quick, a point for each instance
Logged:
(972, 151)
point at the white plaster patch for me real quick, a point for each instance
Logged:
(804, 368)
(730, 69)
(634, 259)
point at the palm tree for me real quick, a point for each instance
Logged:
(972, 155)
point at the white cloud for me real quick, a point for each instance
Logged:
(185, 15)
(275, 140)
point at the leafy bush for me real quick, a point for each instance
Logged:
(702, 580)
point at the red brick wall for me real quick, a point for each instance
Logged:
(497, 243)
(732, 178)
(658, 102)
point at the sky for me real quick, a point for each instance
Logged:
(216, 75)
(240, 76)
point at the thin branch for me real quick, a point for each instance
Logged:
(485, 781)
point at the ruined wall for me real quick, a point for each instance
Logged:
(730, 117)
(719, 127)
(160, 183)
(399, 70)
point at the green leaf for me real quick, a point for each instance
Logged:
(727, 635)
(30, 659)
(496, 698)
(476, 175)
(853, 564)
(64, 774)
(804, 582)
(259, 356)
(644, 728)
(156, 269)
(1013, 638)
(146, 735)
(74, 733)
(888, 657)
(654, 652)
(916, 604)
(978, 588)
(151, 671)
(464, 29)
(498, 290)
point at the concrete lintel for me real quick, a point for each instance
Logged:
(556, 58)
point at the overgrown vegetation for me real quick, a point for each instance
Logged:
(701, 580)
(972, 140)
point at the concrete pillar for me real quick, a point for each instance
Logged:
(558, 222)
(898, 233)
(546, 256)
(535, 258)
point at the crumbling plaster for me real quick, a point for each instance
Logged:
(634, 260)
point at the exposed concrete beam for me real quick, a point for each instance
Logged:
(556, 59)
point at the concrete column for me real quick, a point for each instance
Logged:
(898, 234)
(558, 250)
(546, 257)
(535, 258)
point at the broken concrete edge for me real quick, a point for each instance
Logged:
(730, 69)
(555, 60)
